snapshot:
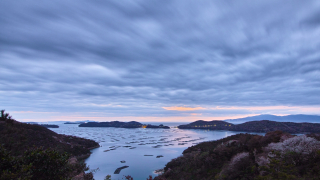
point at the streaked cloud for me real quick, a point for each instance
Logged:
(161, 59)
(297, 109)
(266, 107)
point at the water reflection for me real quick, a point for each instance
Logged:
(143, 150)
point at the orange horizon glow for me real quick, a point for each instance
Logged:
(184, 116)
(177, 108)
(196, 114)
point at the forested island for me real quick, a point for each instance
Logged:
(30, 151)
(160, 126)
(255, 126)
(119, 124)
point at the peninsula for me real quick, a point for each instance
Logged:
(262, 126)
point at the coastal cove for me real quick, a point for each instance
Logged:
(139, 148)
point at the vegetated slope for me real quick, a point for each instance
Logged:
(255, 126)
(214, 122)
(276, 155)
(35, 152)
(214, 125)
(17, 137)
(267, 126)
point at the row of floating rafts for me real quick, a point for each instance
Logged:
(152, 143)
(159, 156)
(169, 145)
(115, 147)
(160, 141)
(112, 148)
(209, 125)
(182, 143)
(157, 146)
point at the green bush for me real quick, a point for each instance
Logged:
(35, 164)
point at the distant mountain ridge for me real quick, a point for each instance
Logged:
(299, 118)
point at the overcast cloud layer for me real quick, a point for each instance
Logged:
(167, 60)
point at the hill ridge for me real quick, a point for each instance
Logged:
(262, 126)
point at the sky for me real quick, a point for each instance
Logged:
(155, 60)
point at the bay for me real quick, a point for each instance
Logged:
(132, 146)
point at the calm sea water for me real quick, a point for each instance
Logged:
(131, 146)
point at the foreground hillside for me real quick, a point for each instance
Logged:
(26, 148)
(276, 155)
(255, 126)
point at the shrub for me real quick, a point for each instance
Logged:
(47, 164)
(35, 164)
(299, 144)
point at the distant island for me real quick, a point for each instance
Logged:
(78, 122)
(49, 125)
(153, 126)
(119, 124)
(262, 126)
(71, 123)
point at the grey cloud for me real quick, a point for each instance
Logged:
(158, 54)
